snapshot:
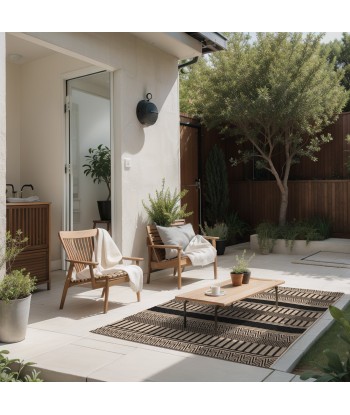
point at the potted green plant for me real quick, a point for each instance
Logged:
(16, 289)
(220, 230)
(165, 207)
(242, 267)
(98, 166)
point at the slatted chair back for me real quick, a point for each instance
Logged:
(153, 238)
(78, 245)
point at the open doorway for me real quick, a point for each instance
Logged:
(88, 118)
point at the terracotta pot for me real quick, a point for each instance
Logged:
(246, 277)
(236, 279)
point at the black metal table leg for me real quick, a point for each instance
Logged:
(276, 292)
(185, 316)
(216, 318)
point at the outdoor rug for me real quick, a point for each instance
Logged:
(252, 331)
(327, 259)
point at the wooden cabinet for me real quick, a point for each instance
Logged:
(33, 219)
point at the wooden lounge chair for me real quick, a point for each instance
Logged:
(79, 247)
(156, 254)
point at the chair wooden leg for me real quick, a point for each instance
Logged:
(138, 296)
(174, 273)
(179, 283)
(106, 290)
(103, 293)
(149, 266)
(64, 293)
(216, 268)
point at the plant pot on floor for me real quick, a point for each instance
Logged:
(104, 209)
(14, 315)
(220, 246)
(236, 279)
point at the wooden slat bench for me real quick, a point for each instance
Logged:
(156, 254)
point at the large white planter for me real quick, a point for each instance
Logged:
(14, 317)
(302, 247)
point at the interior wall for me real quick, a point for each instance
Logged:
(13, 117)
(91, 116)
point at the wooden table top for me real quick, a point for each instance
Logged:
(232, 294)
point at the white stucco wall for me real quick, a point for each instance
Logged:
(2, 143)
(153, 151)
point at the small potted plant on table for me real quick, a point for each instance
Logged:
(240, 273)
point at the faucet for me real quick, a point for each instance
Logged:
(26, 185)
(14, 192)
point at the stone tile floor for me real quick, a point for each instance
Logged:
(63, 349)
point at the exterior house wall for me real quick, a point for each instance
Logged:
(138, 68)
(2, 141)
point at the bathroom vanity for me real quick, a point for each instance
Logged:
(33, 219)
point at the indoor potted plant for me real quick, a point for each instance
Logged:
(98, 167)
(16, 288)
(220, 230)
(242, 266)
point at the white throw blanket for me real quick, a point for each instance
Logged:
(200, 251)
(109, 260)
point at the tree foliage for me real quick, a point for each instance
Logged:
(278, 93)
(216, 186)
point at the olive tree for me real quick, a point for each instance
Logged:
(277, 93)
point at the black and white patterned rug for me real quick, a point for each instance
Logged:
(252, 331)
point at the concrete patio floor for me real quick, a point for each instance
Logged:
(63, 349)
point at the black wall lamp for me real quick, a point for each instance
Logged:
(146, 111)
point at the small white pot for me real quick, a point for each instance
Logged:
(14, 317)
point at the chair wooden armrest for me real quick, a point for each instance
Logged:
(82, 262)
(210, 237)
(133, 258)
(179, 248)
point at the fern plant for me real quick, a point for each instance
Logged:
(165, 207)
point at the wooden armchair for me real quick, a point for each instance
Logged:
(79, 247)
(156, 254)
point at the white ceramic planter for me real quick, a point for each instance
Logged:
(14, 317)
(302, 247)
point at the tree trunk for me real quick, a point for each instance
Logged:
(283, 206)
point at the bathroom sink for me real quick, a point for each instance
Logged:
(22, 199)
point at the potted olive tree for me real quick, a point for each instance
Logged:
(98, 166)
(16, 288)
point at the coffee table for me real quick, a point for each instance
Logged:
(231, 295)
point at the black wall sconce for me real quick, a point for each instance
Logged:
(146, 111)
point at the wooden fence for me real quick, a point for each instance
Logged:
(319, 188)
(257, 201)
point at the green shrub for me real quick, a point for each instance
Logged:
(236, 227)
(267, 234)
(219, 230)
(336, 369)
(16, 283)
(216, 190)
(8, 373)
(164, 208)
